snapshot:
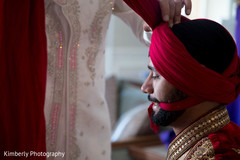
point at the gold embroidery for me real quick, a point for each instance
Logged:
(62, 66)
(61, 2)
(95, 36)
(55, 74)
(72, 11)
(236, 150)
(63, 73)
(53, 28)
(203, 150)
(201, 128)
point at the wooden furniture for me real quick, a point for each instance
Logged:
(143, 148)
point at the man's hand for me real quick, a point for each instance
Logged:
(171, 11)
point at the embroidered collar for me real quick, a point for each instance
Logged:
(198, 130)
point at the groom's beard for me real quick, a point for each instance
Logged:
(163, 117)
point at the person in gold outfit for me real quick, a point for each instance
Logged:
(194, 73)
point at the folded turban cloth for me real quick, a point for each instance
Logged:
(198, 57)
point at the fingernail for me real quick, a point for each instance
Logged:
(166, 18)
(188, 11)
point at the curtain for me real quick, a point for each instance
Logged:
(23, 62)
(234, 108)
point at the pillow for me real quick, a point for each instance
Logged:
(132, 123)
(130, 95)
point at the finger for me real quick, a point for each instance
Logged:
(188, 6)
(178, 8)
(146, 27)
(171, 12)
(164, 6)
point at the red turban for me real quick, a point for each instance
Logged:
(173, 61)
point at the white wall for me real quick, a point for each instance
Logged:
(126, 56)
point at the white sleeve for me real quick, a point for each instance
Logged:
(134, 21)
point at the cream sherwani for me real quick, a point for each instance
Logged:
(76, 113)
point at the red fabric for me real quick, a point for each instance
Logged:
(23, 61)
(149, 10)
(224, 142)
(178, 67)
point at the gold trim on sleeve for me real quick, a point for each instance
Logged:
(198, 130)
